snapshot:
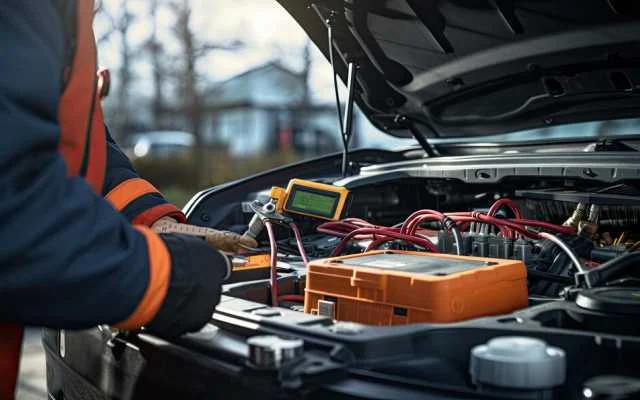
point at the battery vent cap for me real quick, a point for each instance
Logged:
(518, 362)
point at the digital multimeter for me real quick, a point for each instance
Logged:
(312, 199)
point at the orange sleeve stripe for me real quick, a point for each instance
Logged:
(159, 274)
(150, 216)
(129, 190)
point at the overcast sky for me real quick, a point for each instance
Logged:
(268, 31)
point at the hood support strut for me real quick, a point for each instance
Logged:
(346, 121)
(346, 124)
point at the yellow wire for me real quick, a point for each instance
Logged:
(635, 247)
(618, 240)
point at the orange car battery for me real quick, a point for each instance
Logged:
(401, 287)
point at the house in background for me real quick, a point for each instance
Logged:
(266, 109)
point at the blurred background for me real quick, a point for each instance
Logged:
(204, 92)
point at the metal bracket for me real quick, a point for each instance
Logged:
(261, 213)
(312, 369)
(62, 343)
(267, 212)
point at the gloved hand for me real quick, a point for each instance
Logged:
(197, 274)
(227, 242)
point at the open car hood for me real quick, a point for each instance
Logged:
(461, 68)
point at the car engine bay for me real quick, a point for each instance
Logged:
(598, 223)
(411, 249)
(484, 276)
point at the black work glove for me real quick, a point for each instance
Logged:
(197, 273)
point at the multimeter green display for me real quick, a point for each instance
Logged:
(314, 202)
(314, 199)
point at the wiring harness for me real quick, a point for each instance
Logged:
(410, 230)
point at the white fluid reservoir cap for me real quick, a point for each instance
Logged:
(518, 362)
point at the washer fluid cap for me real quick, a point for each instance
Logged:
(518, 362)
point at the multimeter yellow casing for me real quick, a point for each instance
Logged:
(279, 194)
(285, 198)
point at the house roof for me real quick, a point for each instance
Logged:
(270, 84)
(262, 68)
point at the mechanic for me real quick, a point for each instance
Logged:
(71, 258)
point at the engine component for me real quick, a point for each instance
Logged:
(611, 387)
(579, 215)
(551, 259)
(609, 271)
(623, 300)
(542, 256)
(400, 287)
(270, 351)
(617, 195)
(517, 362)
(604, 254)
(316, 245)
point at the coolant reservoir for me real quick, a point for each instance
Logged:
(517, 362)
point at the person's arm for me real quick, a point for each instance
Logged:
(142, 204)
(137, 199)
(68, 259)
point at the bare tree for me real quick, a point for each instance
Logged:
(156, 52)
(100, 11)
(301, 112)
(193, 51)
(306, 71)
(192, 105)
(122, 26)
(120, 22)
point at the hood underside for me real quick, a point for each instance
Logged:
(460, 68)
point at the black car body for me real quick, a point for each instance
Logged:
(486, 87)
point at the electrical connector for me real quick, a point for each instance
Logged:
(445, 242)
(481, 246)
(523, 250)
(467, 242)
(579, 215)
(495, 247)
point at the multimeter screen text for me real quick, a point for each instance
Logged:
(313, 203)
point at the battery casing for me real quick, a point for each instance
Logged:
(401, 287)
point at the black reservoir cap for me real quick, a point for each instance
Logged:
(623, 300)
